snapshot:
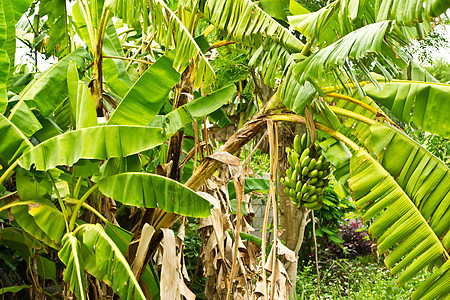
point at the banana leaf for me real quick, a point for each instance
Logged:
(99, 143)
(425, 104)
(152, 191)
(104, 260)
(16, 143)
(49, 90)
(400, 228)
(146, 97)
(70, 255)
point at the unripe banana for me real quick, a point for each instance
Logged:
(305, 171)
(313, 181)
(298, 186)
(295, 157)
(305, 161)
(321, 174)
(299, 196)
(305, 153)
(288, 150)
(294, 176)
(312, 190)
(319, 191)
(313, 206)
(298, 168)
(312, 198)
(305, 196)
(313, 174)
(289, 173)
(312, 164)
(296, 143)
(319, 164)
(305, 188)
(304, 141)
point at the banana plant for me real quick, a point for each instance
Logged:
(94, 128)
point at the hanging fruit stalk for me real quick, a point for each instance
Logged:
(307, 176)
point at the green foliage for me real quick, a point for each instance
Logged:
(360, 278)
(440, 69)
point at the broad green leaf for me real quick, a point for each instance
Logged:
(19, 82)
(114, 70)
(29, 225)
(86, 114)
(49, 90)
(129, 11)
(8, 35)
(250, 185)
(296, 9)
(4, 72)
(177, 119)
(58, 25)
(72, 89)
(422, 176)
(321, 26)
(146, 97)
(33, 185)
(104, 260)
(25, 120)
(49, 128)
(16, 142)
(70, 255)
(152, 191)
(122, 239)
(276, 8)
(425, 104)
(294, 95)
(399, 226)
(368, 41)
(20, 7)
(250, 27)
(100, 143)
(415, 11)
(50, 220)
(415, 72)
(182, 46)
(15, 238)
(14, 289)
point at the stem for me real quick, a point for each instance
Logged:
(315, 251)
(90, 208)
(8, 172)
(239, 185)
(321, 127)
(96, 90)
(78, 205)
(363, 105)
(61, 203)
(273, 143)
(17, 203)
(130, 59)
(77, 188)
(352, 115)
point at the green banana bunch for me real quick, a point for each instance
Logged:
(307, 176)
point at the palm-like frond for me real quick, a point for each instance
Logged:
(263, 37)
(425, 104)
(171, 33)
(369, 42)
(399, 226)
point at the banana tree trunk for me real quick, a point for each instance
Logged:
(292, 219)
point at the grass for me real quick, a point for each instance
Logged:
(358, 278)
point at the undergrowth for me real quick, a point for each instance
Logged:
(363, 277)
